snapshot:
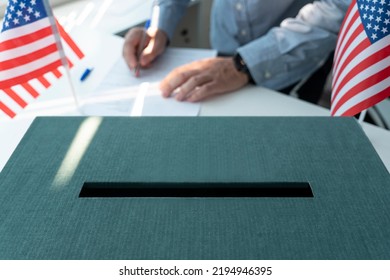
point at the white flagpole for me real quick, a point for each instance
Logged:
(362, 116)
(64, 61)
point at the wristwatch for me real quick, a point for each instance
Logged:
(240, 65)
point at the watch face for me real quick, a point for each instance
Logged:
(240, 64)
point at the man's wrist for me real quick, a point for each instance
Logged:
(241, 66)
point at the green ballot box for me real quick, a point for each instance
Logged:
(195, 188)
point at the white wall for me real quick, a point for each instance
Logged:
(193, 30)
(3, 4)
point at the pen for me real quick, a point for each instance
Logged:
(85, 75)
(141, 48)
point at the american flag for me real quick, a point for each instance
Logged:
(31, 56)
(361, 72)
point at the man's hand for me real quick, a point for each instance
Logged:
(202, 79)
(154, 45)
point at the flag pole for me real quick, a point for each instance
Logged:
(60, 48)
(362, 116)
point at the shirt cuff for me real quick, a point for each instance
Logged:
(262, 59)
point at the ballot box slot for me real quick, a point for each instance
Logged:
(191, 189)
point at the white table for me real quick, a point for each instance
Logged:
(107, 16)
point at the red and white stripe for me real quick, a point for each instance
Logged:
(30, 63)
(13, 100)
(361, 69)
(27, 52)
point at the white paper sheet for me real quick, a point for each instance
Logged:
(121, 76)
(122, 94)
(149, 102)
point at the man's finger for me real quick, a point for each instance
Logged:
(188, 88)
(175, 79)
(156, 43)
(203, 92)
(130, 47)
(150, 53)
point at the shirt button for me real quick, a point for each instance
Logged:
(239, 6)
(243, 32)
(267, 75)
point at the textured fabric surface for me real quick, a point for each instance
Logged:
(348, 218)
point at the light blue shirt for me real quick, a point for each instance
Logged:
(280, 41)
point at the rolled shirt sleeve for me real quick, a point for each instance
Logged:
(295, 49)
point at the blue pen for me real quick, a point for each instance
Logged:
(86, 74)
